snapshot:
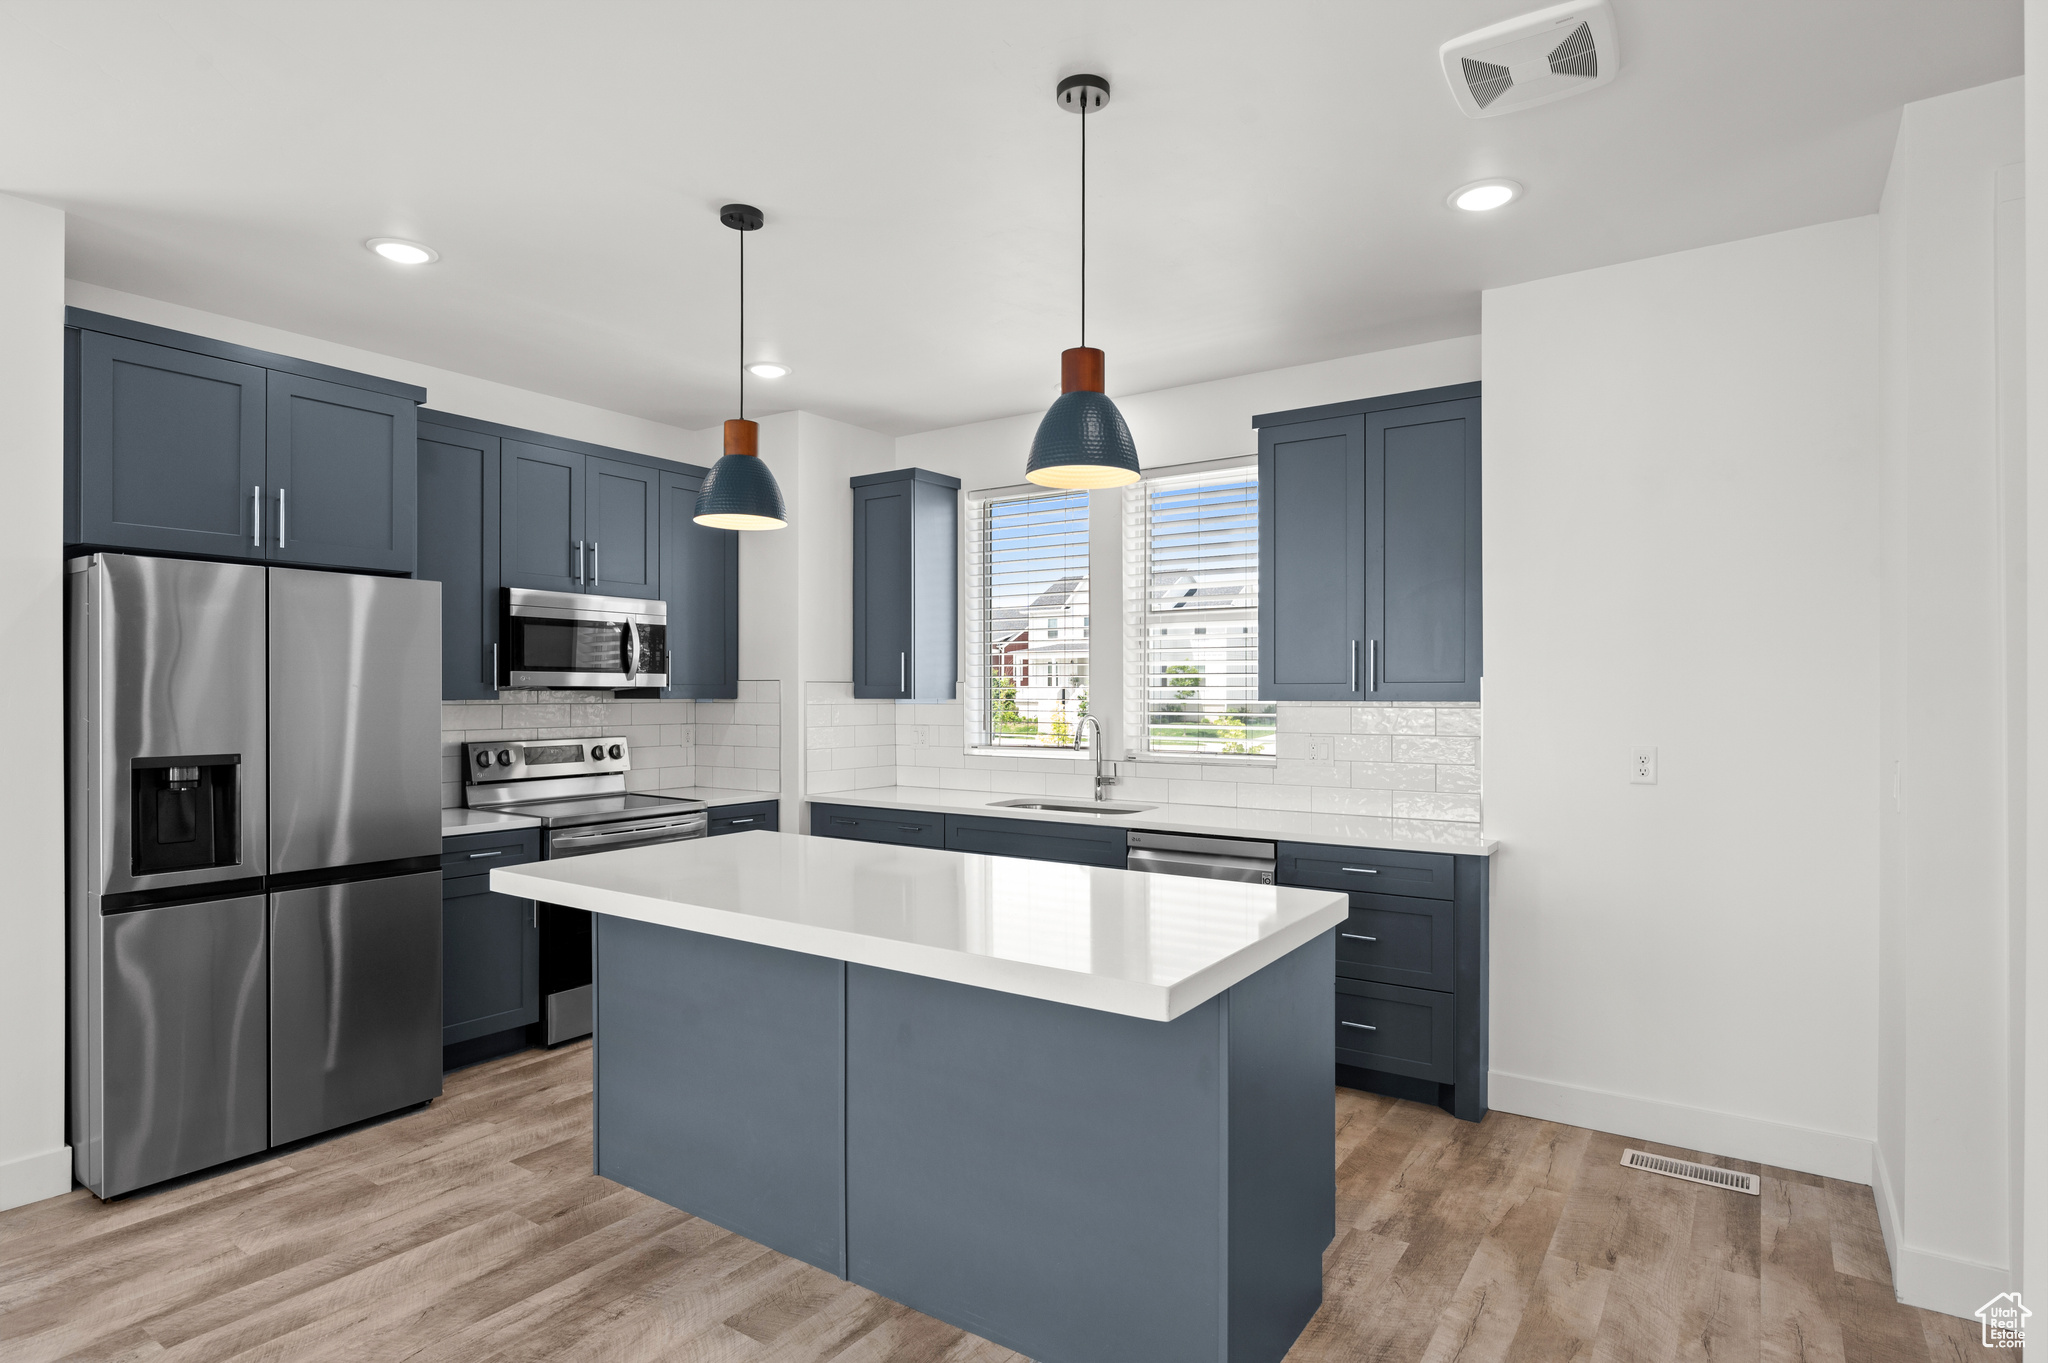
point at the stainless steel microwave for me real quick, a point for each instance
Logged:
(568, 640)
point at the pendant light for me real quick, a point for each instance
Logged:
(741, 493)
(1082, 441)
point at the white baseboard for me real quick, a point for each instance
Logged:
(35, 1177)
(1922, 1278)
(1830, 1154)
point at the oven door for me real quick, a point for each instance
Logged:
(581, 840)
(562, 640)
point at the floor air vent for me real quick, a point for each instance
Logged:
(1693, 1173)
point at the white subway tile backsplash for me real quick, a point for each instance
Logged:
(1297, 798)
(1393, 775)
(1377, 803)
(1416, 805)
(1462, 751)
(1363, 748)
(1461, 720)
(1392, 719)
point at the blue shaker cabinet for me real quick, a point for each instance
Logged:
(906, 527)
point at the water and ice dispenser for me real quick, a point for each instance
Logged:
(186, 814)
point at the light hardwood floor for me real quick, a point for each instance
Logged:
(474, 1232)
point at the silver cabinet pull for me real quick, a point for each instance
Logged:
(902, 673)
(1361, 1026)
(256, 516)
(1372, 669)
(1362, 870)
(737, 822)
(596, 569)
(499, 853)
(494, 667)
(910, 828)
(1354, 664)
(280, 518)
(579, 563)
(1358, 937)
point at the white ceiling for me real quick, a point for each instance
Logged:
(1268, 181)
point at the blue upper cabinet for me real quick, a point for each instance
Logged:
(184, 444)
(700, 583)
(623, 519)
(1369, 549)
(1312, 643)
(544, 545)
(459, 527)
(1422, 598)
(343, 476)
(906, 531)
(167, 448)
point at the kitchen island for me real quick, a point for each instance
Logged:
(1082, 1112)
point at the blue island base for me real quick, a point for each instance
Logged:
(1079, 1186)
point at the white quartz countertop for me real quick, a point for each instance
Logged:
(1346, 830)
(1146, 946)
(457, 822)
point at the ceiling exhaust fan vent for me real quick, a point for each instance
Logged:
(1711, 1175)
(1564, 50)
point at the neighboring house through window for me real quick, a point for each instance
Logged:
(1027, 618)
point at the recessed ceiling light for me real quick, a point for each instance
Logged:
(768, 369)
(1482, 196)
(402, 251)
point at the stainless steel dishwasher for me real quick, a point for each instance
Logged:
(1184, 854)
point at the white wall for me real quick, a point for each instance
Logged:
(1681, 543)
(2033, 1022)
(1944, 1175)
(34, 1161)
(447, 391)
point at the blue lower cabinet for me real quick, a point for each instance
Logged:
(490, 942)
(760, 815)
(1037, 840)
(1411, 970)
(878, 825)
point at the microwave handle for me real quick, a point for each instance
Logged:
(632, 658)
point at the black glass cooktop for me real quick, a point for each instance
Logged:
(601, 809)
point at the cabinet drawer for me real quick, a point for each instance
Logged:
(1394, 1029)
(1036, 840)
(910, 828)
(476, 853)
(1423, 874)
(763, 814)
(1397, 940)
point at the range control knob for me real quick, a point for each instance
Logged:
(616, 753)
(504, 757)
(597, 753)
(483, 759)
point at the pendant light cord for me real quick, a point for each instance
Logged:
(1085, 100)
(743, 326)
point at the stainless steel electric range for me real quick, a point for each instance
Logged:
(576, 788)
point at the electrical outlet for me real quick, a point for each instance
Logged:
(1321, 748)
(1642, 766)
(919, 736)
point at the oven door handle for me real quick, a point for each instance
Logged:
(643, 830)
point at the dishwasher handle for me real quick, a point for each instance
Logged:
(1207, 866)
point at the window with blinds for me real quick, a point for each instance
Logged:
(1028, 618)
(1192, 619)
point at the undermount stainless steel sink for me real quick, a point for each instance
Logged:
(1072, 806)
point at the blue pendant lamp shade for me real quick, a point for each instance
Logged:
(741, 493)
(1082, 441)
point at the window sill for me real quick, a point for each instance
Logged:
(1062, 754)
(1201, 759)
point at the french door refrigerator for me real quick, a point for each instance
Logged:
(254, 860)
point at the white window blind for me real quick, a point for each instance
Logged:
(1027, 623)
(1192, 616)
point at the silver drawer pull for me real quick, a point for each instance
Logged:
(910, 828)
(737, 822)
(1361, 1026)
(1362, 870)
(1358, 937)
(499, 853)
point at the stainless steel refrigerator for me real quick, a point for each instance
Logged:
(254, 860)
